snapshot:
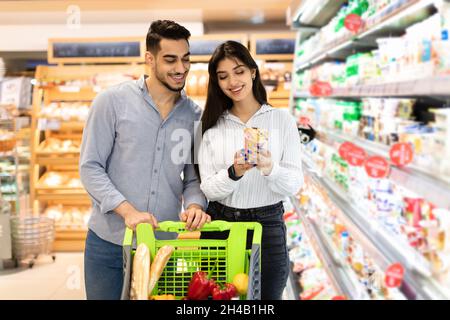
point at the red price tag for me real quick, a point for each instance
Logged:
(377, 167)
(339, 298)
(401, 154)
(353, 23)
(321, 89)
(304, 121)
(344, 148)
(356, 156)
(394, 276)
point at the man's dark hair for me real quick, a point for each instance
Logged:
(164, 29)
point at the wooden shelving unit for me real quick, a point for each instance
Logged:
(276, 52)
(55, 84)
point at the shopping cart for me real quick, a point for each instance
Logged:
(31, 237)
(224, 258)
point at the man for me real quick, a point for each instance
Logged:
(130, 164)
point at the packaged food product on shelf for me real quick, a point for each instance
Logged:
(407, 216)
(7, 140)
(16, 91)
(370, 276)
(420, 53)
(313, 281)
(384, 121)
(335, 31)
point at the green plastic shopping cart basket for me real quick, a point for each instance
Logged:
(225, 258)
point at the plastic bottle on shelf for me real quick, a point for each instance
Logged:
(344, 243)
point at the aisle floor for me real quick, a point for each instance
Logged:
(59, 280)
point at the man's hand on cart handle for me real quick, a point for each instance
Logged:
(195, 217)
(133, 217)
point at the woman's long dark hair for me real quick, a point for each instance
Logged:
(217, 102)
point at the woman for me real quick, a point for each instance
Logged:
(238, 190)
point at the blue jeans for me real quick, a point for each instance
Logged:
(103, 269)
(274, 252)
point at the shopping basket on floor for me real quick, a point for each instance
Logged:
(225, 258)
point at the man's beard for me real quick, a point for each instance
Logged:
(168, 86)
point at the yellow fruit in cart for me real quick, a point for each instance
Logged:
(240, 281)
(164, 297)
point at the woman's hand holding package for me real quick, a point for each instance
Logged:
(265, 163)
(240, 164)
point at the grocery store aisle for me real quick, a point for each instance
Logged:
(59, 280)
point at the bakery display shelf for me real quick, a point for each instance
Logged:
(7, 154)
(60, 125)
(67, 240)
(432, 86)
(57, 159)
(384, 23)
(64, 177)
(279, 94)
(61, 196)
(341, 275)
(432, 186)
(383, 246)
(70, 93)
(58, 153)
(47, 157)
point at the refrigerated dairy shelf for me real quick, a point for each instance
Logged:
(316, 13)
(383, 246)
(432, 86)
(381, 24)
(431, 186)
(341, 275)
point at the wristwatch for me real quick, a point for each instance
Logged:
(232, 174)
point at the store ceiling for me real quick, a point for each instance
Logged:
(100, 11)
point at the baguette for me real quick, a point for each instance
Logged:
(158, 265)
(141, 273)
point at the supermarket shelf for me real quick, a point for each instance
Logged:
(433, 187)
(342, 277)
(385, 23)
(7, 154)
(317, 16)
(57, 158)
(57, 124)
(292, 291)
(432, 86)
(69, 240)
(384, 247)
(61, 195)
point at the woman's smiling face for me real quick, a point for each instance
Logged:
(235, 79)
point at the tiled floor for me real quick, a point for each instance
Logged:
(47, 280)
